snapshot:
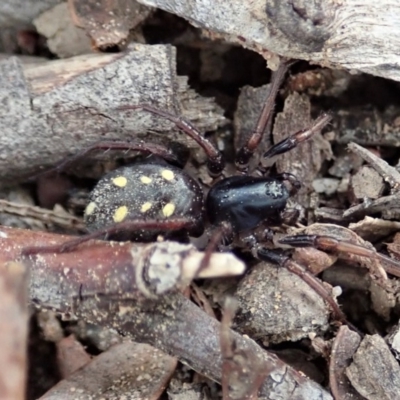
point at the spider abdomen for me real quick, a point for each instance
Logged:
(145, 191)
(245, 201)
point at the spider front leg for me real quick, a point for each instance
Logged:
(215, 161)
(107, 145)
(299, 137)
(247, 150)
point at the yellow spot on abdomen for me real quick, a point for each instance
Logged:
(120, 214)
(167, 174)
(145, 179)
(168, 209)
(120, 181)
(90, 208)
(145, 207)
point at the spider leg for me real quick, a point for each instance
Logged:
(149, 148)
(329, 243)
(285, 261)
(169, 224)
(293, 140)
(246, 151)
(215, 162)
(217, 236)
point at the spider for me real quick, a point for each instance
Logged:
(155, 196)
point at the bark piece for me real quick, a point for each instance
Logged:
(57, 217)
(343, 348)
(388, 173)
(367, 183)
(108, 22)
(277, 306)
(374, 229)
(393, 339)
(71, 356)
(329, 215)
(134, 370)
(368, 126)
(345, 34)
(59, 107)
(21, 12)
(64, 39)
(374, 372)
(383, 300)
(320, 82)
(18, 200)
(387, 204)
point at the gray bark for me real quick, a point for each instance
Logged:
(52, 110)
(361, 36)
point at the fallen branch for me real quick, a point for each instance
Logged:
(358, 36)
(55, 109)
(96, 283)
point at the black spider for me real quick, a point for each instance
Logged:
(154, 197)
